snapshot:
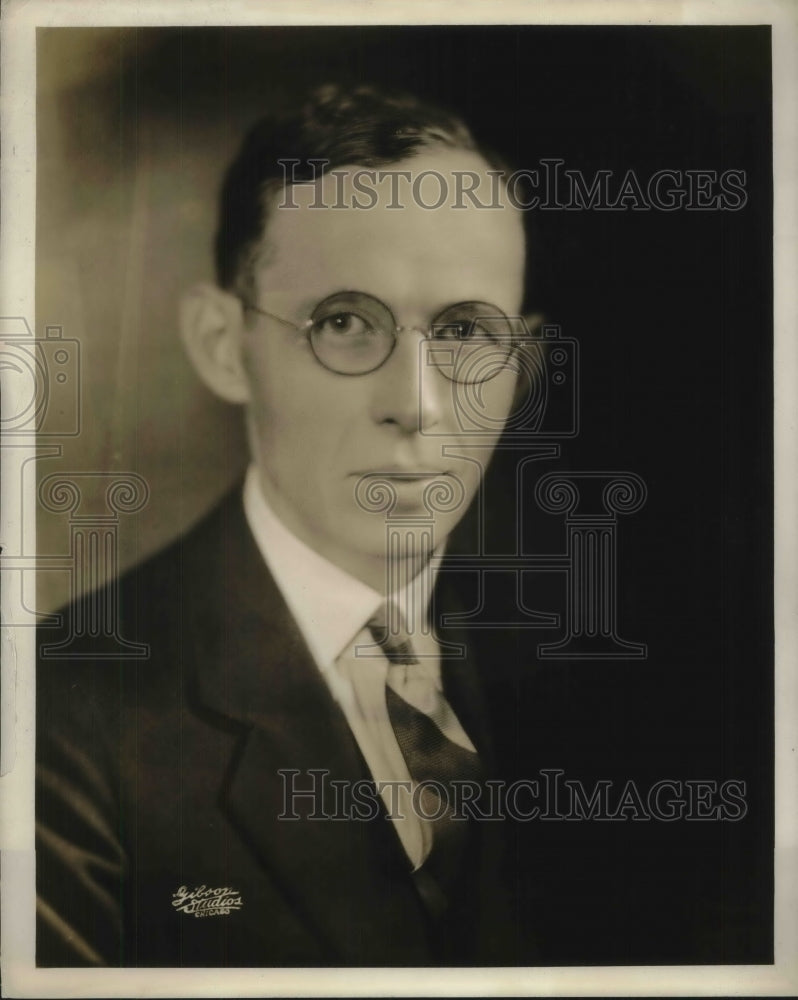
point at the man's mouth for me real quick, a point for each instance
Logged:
(402, 474)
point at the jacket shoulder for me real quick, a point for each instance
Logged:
(152, 589)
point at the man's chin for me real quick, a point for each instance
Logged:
(396, 501)
(407, 534)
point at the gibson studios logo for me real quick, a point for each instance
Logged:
(204, 902)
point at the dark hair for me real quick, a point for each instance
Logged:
(364, 125)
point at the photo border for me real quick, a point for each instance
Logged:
(17, 252)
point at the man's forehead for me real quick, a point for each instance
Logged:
(355, 220)
(433, 178)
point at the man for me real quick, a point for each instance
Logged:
(209, 805)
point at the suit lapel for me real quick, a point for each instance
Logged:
(253, 667)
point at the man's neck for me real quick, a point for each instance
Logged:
(383, 574)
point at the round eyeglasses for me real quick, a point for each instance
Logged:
(353, 333)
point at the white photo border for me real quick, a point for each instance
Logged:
(17, 252)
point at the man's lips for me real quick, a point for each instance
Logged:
(401, 474)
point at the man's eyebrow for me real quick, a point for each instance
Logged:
(306, 306)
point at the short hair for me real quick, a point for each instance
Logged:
(363, 126)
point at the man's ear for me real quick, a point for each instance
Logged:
(211, 326)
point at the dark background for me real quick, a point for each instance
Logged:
(673, 314)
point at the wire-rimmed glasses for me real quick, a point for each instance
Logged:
(354, 333)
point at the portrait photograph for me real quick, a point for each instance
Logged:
(398, 502)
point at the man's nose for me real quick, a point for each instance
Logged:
(408, 388)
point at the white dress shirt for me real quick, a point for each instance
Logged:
(331, 608)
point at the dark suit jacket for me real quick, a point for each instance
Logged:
(163, 772)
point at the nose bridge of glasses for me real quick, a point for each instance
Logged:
(423, 350)
(410, 350)
(425, 331)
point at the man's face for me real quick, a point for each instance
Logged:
(319, 438)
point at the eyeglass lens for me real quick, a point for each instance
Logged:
(353, 333)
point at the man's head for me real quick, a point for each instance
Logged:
(339, 402)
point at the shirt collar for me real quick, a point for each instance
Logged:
(329, 605)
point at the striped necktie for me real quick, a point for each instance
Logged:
(433, 760)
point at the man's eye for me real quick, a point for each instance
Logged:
(344, 324)
(465, 330)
